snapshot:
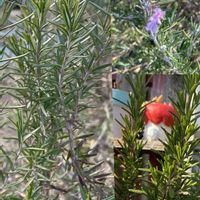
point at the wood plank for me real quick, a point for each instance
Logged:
(149, 145)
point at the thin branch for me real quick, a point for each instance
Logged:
(69, 126)
(59, 188)
(14, 58)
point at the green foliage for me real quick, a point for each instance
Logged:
(129, 159)
(58, 51)
(5, 9)
(175, 48)
(176, 179)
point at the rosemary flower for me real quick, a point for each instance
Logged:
(155, 20)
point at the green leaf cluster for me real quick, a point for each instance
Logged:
(58, 49)
(128, 159)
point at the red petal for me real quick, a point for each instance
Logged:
(159, 112)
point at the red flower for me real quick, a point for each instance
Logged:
(159, 112)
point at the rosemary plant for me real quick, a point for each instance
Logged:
(176, 179)
(156, 36)
(178, 176)
(128, 159)
(58, 51)
(5, 9)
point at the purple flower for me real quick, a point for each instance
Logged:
(155, 20)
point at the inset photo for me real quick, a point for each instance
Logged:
(156, 126)
(161, 36)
